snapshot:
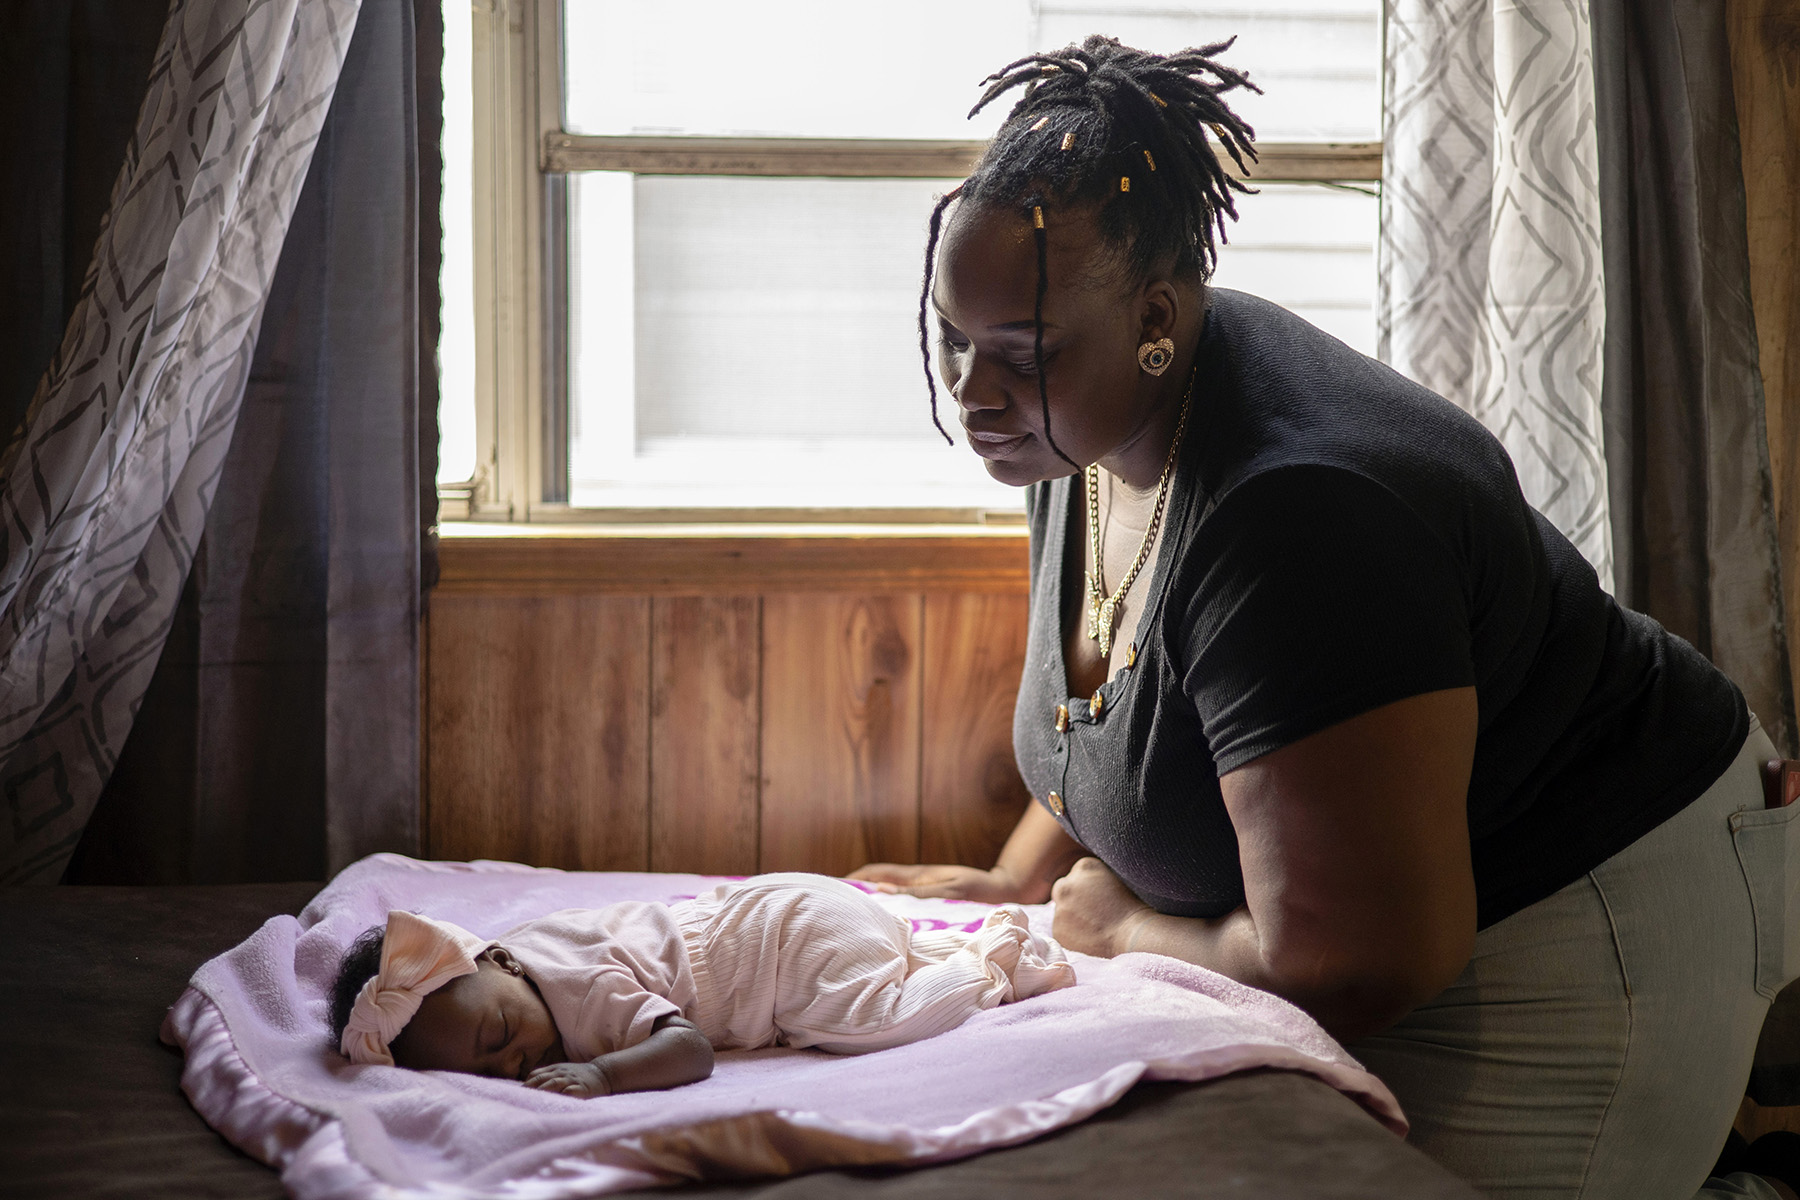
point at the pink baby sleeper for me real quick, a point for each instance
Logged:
(793, 960)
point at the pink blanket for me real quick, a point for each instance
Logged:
(260, 1067)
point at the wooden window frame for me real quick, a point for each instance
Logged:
(523, 157)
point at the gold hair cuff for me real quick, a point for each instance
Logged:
(1124, 183)
(1037, 217)
(1041, 122)
(1150, 160)
(1068, 139)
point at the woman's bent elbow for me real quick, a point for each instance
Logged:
(1353, 996)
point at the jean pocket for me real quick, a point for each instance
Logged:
(1768, 850)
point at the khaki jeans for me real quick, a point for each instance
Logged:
(1598, 1043)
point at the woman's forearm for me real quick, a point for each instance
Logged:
(1225, 944)
(1339, 993)
(1036, 855)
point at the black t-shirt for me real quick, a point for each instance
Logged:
(1339, 538)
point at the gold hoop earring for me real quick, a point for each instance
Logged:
(1156, 356)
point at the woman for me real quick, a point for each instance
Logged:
(1313, 698)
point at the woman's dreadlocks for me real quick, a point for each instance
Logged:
(1120, 133)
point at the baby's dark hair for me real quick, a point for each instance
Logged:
(361, 962)
(1117, 132)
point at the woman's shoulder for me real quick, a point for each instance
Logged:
(1276, 392)
(1305, 522)
(1274, 357)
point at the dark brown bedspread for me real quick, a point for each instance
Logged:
(91, 1105)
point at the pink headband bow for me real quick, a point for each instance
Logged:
(418, 956)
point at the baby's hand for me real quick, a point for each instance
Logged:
(571, 1079)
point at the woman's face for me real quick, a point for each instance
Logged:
(490, 1023)
(1101, 403)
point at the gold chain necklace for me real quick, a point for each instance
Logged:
(1103, 610)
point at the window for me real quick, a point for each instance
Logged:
(696, 234)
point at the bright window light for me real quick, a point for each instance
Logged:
(456, 280)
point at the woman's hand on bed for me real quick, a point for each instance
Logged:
(1095, 912)
(571, 1079)
(943, 880)
(1035, 854)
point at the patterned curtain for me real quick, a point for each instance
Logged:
(1564, 253)
(1492, 291)
(279, 737)
(104, 490)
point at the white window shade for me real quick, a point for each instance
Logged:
(456, 278)
(1310, 250)
(773, 347)
(753, 342)
(826, 68)
(1318, 62)
(797, 68)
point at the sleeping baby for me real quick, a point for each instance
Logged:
(638, 995)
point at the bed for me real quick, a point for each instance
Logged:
(90, 1103)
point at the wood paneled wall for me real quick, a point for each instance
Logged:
(724, 704)
(1765, 73)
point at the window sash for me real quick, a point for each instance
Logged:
(898, 158)
(523, 153)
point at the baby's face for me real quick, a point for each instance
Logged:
(490, 1023)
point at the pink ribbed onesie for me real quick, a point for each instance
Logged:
(792, 960)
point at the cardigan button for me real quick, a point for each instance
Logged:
(1056, 803)
(1096, 704)
(1062, 718)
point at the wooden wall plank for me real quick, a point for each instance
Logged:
(705, 658)
(539, 730)
(840, 732)
(970, 793)
(1765, 76)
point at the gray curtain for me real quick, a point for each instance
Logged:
(255, 717)
(1564, 253)
(1694, 531)
(1491, 291)
(279, 738)
(105, 486)
(72, 75)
